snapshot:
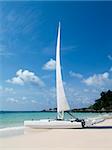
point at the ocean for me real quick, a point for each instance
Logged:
(16, 119)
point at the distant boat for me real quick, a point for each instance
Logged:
(62, 103)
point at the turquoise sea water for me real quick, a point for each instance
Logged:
(13, 119)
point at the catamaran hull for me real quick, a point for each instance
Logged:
(52, 124)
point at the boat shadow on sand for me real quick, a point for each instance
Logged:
(99, 127)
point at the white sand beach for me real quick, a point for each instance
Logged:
(97, 138)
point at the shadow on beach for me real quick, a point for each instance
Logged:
(99, 127)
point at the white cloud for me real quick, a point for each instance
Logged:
(24, 98)
(12, 100)
(9, 89)
(77, 75)
(96, 90)
(97, 79)
(16, 80)
(86, 90)
(34, 102)
(110, 69)
(4, 51)
(50, 65)
(6, 90)
(109, 57)
(25, 76)
(77, 97)
(1, 88)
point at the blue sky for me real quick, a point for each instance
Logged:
(28, 33)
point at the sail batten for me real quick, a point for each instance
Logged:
(62, 104)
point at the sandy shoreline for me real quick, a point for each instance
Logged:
(98, 138)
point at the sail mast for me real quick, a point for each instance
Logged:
(62, 104)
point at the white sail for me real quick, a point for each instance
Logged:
(62, 104)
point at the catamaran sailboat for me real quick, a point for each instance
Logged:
(62, 103)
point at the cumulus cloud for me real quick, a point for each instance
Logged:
(97, 79)
(16, 80)
(75, 74)
(25, 76)
(50, 65)
(109, 57)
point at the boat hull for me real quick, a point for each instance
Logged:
(52, 124)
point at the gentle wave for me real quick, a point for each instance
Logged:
(11, 131)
